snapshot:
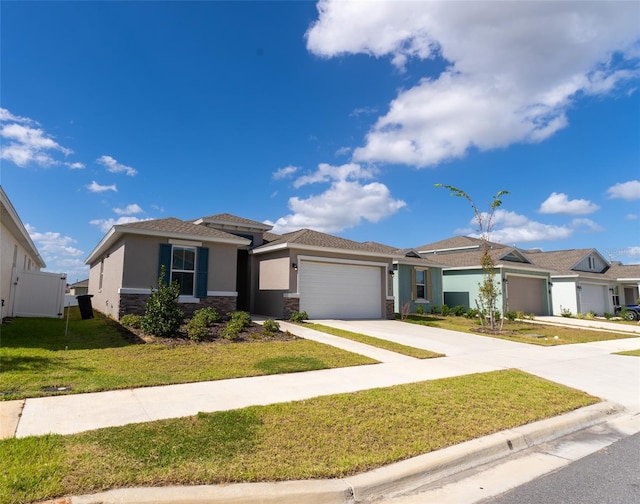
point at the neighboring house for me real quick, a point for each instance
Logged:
(584, 281)
(230, 263)
(523, 285)
(323, 275)
(25, 290)
(79, 288)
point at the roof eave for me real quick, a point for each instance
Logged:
(315, 248)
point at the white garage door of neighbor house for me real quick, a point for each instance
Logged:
(329, 290)
(593, 298)
(526, 295)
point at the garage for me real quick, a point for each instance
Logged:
(526, 294)
(593, 298)
(340, 291)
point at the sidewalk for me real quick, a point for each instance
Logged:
(589, 367)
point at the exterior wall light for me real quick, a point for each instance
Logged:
(294, 266)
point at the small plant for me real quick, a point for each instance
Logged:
(242, 318)
(232, 330)
(458, 310)
(520, 315)
(420, 309)
(444, 310)
(270, 327)
(511, 316)
(131, 320)
(471, 313)
(298, 316)
(565, 312)
(202, 319)
(434, 309)
(608, 315)
(162, 316)
(590, 315)
(531, 316)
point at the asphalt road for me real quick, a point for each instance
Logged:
(608, 476)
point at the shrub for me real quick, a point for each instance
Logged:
(565, 312)
(202, 319)
(242, 318)
(232, 330)
(471, 313)
(162, 315)
(270, 327)
(511, 316)
(131, 320)
(208, 315)
(298, 316)
(444, 310)
(420, 309)
(434, 309)
(458, 310)
(608, 315)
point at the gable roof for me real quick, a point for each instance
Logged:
(230, 221)
(169, 227)
(11, 220)
(628, 272)
(564, 261)
(456, 244)
(308, 239)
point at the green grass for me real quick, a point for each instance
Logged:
(523, 332)
(633, 353)
(94, 356)
(325, 437)
(418, 353)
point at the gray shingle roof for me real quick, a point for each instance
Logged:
(176, 226)
(457, 242)
(559, 260)
(233, 219)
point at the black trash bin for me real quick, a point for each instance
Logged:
(84, 303)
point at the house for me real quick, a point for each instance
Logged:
(524, 286)
(584, 281)
(323, 275)
(126, 264)
(79, 288)
(25, 290)
(229, 263)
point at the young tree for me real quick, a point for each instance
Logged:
(489, 292)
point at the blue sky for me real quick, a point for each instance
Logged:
(337, 116)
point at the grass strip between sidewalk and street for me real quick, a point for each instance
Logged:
(325, 437)
(418, 353)
(633, 353)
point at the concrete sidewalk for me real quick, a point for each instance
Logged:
(590, 367)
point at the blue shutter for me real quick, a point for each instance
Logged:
(165, 260)
(202, 272)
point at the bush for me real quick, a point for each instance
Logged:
(131, 320)
(270, 327)
(472, 313)
(162, 316)
(458, 310)
(434, 309)
(232, 330)
(565, 312)
(511, 316)
(298, 316)
(202, 319)
(608, 315)
(420, 309)
(242, 318)
(444, 311)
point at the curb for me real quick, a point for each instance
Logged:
(392, 480)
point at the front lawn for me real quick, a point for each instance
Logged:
(99, 354)
(521, 331)
(325, 437)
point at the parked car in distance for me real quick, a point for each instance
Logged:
(629, 312)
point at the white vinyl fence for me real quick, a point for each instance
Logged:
(37, 294)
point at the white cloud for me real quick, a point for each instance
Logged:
(285, 172)
(53, 244)
(586, 223)
(113, 166)
(343, 205)
(95, 187)
(327, 173)
(631, 216)
(75, 166)
(106, 224)
(504, 83)
(128, 210)
(559, 203)
(24, 143)
(627, 190)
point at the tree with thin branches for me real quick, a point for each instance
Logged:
(488, 292)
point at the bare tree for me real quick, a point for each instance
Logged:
(488, 292)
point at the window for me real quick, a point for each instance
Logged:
(101, 274)
(15, 256)
(421, 284)
(183, 268)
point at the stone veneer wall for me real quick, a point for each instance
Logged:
(390, 310)
(290, 305)
(136, 303)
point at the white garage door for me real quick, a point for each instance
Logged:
(593, 298)
(526, 295)
(346, 291)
